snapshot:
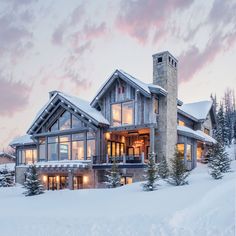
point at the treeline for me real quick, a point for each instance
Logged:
(225, 111)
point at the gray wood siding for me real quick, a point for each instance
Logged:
(143, 108)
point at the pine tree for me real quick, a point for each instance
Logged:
(151, 175)
(113, 176)
(32, 184)
(219, 161)
(162, 169)
(178, 171)
(6, 178)
(234, 132)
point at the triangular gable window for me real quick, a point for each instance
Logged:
(76, 123)
(65, 121)
(54, 127)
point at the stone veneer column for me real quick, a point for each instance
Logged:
(165, 75)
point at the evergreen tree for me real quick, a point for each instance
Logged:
(178, 171)
(219, 161)
(6, 178)
(235, 132)
(113, 176)
(32, 184)
(151, 175)
(162, 169)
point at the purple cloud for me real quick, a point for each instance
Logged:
(138, 18)
(14, 96)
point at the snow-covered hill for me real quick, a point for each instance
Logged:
(204, 207)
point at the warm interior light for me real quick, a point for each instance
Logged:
(85, 179)
(58, 177)
(107, 136)
(44, 178)
(123, 139)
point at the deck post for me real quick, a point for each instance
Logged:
(142, 157)
(70, 179)
(107, 159)
(124, 159)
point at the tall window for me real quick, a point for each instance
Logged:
(78, 146)
(122, 113)
(180, 149)
(116, 114)
(90, 148)
(189, 152)
(75, 122)
(27, 156)
(53, 148)
(127, 113)
(65, 121)
(42, 149)
(64, 147)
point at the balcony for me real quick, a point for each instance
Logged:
(124, 159)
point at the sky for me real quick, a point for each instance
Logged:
(74, 46)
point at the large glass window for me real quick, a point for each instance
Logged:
(189, 152)
(64, 147)
(127, 113)
(27, 156)
(77, 150)
(116, 114)
(54, 127)
(122, 113)
(90, 148)
(76, 123)
(53, 148)
(180, 149)
(65, 121)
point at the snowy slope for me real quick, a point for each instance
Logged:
(204, 207)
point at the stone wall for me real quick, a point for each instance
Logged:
(165, 75)
(20, 174)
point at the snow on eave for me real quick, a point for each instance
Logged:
(144, 88)
(197, 134)
(5, 154)
(22, 140)
(79, 104)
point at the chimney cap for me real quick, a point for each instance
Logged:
(162, 53)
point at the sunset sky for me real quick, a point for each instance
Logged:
(74, 46)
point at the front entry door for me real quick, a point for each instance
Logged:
(52, 183)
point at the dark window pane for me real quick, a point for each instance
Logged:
(53, 139)
(52, 152)
(76, 123)
(64, 121)
(64, 150)
(54, 127)
(78, 136)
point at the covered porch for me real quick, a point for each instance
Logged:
(126, 146)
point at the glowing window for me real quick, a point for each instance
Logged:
(181, 123)
(127, 113)
(189, 152)
(90, 148)
(180, 149)
(116, 114)
(78, 150)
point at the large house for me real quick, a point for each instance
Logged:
(73, 141)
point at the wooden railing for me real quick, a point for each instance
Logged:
(135, 159)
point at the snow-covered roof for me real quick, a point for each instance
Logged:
(146, 88)
(3, 154)
(64, 163)
(197, 134)
(198, 110)
(78, 103)
(22, 140)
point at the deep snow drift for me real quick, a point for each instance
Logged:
(204, 207)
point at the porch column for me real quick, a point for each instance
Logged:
(70, 179)
(152, 139)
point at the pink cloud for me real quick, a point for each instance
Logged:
(14, 96)
(138, 18)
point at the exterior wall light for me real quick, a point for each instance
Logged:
(85, 179)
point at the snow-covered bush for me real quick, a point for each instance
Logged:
(32, 184)
(151, 175)
(113, 176)
(178, 171)
(219, 161)
(162, 169)
(6, 178)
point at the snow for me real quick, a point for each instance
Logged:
(199, 110)
(25, 139)
(9, 166)
(198, 134)
(3, 154)
(64, 163)
(204, 207)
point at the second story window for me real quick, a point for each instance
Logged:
(121, 89)
(181, 123)
(122, 113)
(206, 131)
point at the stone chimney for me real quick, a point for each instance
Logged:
(165, 75)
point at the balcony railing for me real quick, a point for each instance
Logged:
(129, 159)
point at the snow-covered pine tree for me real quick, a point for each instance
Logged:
(151, 175)
(219, 161)
(113, 176)
(234, 132)
(162, 168)
(32, 184)
(6, 178)
(178, 171)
